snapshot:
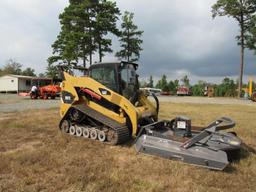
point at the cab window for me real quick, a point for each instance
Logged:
(105, 76)
(128, 80)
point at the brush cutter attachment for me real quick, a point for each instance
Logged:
(177, 139)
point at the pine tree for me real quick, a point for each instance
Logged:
(151, 82)
(29, 72)
(185, 81)
(12, 67)
(52, 72)
(106, 17)
(243, 11)
(75, 41)
(84, 26)
(163, 84)
(252, 35)
(65, 48)
(130, 39)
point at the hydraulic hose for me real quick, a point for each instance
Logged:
(157, 102)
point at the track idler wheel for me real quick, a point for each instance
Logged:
(86, 133)
(79, 131)
(102, 136)
(93, 134)
(65, 126)
(72, 130)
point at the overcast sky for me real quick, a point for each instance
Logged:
(180, 37)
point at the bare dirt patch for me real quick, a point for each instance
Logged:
(13, 103)
(5, 116)
(9, 98)
(29, 146)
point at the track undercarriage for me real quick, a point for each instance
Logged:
(82, 121)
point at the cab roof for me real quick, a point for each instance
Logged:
(95, 65)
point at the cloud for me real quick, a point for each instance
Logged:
(180, 37)
(28, 28)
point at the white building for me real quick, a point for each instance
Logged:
(19, 83)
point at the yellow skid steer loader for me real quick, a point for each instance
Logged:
(107, 105)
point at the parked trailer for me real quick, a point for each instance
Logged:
(184, 91)
(151, 90)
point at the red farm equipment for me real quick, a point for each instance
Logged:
(45, 92)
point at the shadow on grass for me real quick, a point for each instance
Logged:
(129, 143)
(249, 148)
(243, 153)
(236, 156)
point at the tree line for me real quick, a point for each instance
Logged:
(227, 88)
(86, 30)
(15, 68)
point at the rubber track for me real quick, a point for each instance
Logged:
(121, 129)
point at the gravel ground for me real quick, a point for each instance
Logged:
(13, 102)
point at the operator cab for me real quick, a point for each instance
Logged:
(120, 77)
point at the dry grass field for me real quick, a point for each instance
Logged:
(35, 156)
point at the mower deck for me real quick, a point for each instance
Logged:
(206, 148)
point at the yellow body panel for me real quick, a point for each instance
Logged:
(145, 109)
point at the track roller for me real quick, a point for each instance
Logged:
(65, 126)
(79, 131)
(93, 134)
(72, 130)
(86, 133)
(102, 136)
